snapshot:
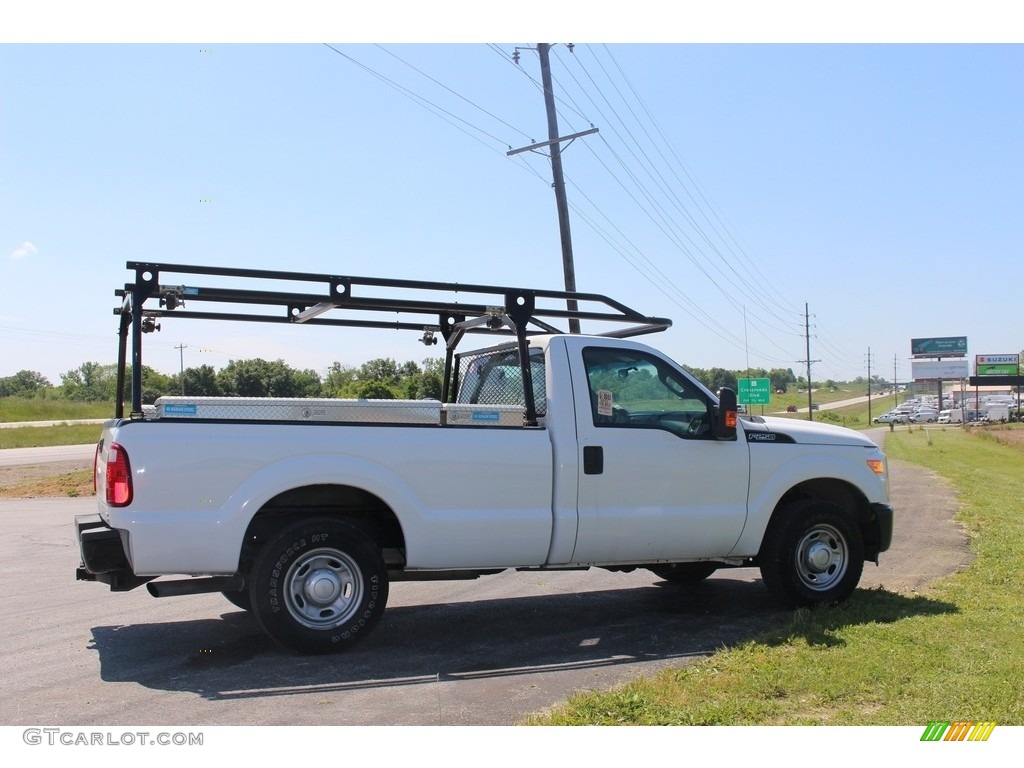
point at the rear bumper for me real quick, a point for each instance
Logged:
(103, 556)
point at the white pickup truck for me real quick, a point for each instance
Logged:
(554, 451)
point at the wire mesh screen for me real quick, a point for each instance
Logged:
(495, 377)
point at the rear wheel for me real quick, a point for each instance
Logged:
(812, 554)
(684, 573)
(319, 586)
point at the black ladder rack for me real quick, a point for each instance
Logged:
(422, 306)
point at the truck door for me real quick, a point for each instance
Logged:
(654, 482)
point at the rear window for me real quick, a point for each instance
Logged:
(496, 378)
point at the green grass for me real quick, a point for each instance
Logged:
(33, 409)
(38, 437)
(13, 409)
(852, 416)
(880, 658)
(856, 416)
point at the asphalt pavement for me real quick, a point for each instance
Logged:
(56, 423)
(12, 457)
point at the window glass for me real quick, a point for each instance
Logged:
(496, 378)
(631, 389)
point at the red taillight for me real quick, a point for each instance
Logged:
(119, 477)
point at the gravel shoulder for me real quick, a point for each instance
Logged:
(928, 543)
(22, 473)
(39, 481)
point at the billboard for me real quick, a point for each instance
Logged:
(939, 346)
(926, 370)
(996, 365)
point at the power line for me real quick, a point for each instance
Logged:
(763, 280)
(453, 92)
(667, 224)
(449, 117)
(654, 202)
(653, 170)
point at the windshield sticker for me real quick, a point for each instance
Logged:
(604, 402)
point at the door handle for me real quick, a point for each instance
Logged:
(593, 460)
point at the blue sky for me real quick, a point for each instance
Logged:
(729, 184)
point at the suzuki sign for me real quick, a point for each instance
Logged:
(996, 365)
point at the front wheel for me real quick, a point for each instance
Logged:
(319, 586)
(812, 554)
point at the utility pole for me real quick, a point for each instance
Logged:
(869, 385)
(746, 345)
(895, 384)
(807, 337)
(554, 141)
(181, 354)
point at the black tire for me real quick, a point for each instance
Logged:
(684, 573)
(319, 586)
(240, 599)
(812, 554)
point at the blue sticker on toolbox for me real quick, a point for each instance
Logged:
(486, 416)
(182, 410)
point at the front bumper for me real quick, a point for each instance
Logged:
(880, 536)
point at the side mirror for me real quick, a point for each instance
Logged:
(725, 416)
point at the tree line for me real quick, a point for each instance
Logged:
(381, 378)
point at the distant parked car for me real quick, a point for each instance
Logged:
(924, 416)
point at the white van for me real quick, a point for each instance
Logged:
(951, 416)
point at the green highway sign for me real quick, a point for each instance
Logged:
(754, 391)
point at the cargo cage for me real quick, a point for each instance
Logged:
(160, 291)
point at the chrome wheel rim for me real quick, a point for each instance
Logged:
(822, 557)
(323, 588)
